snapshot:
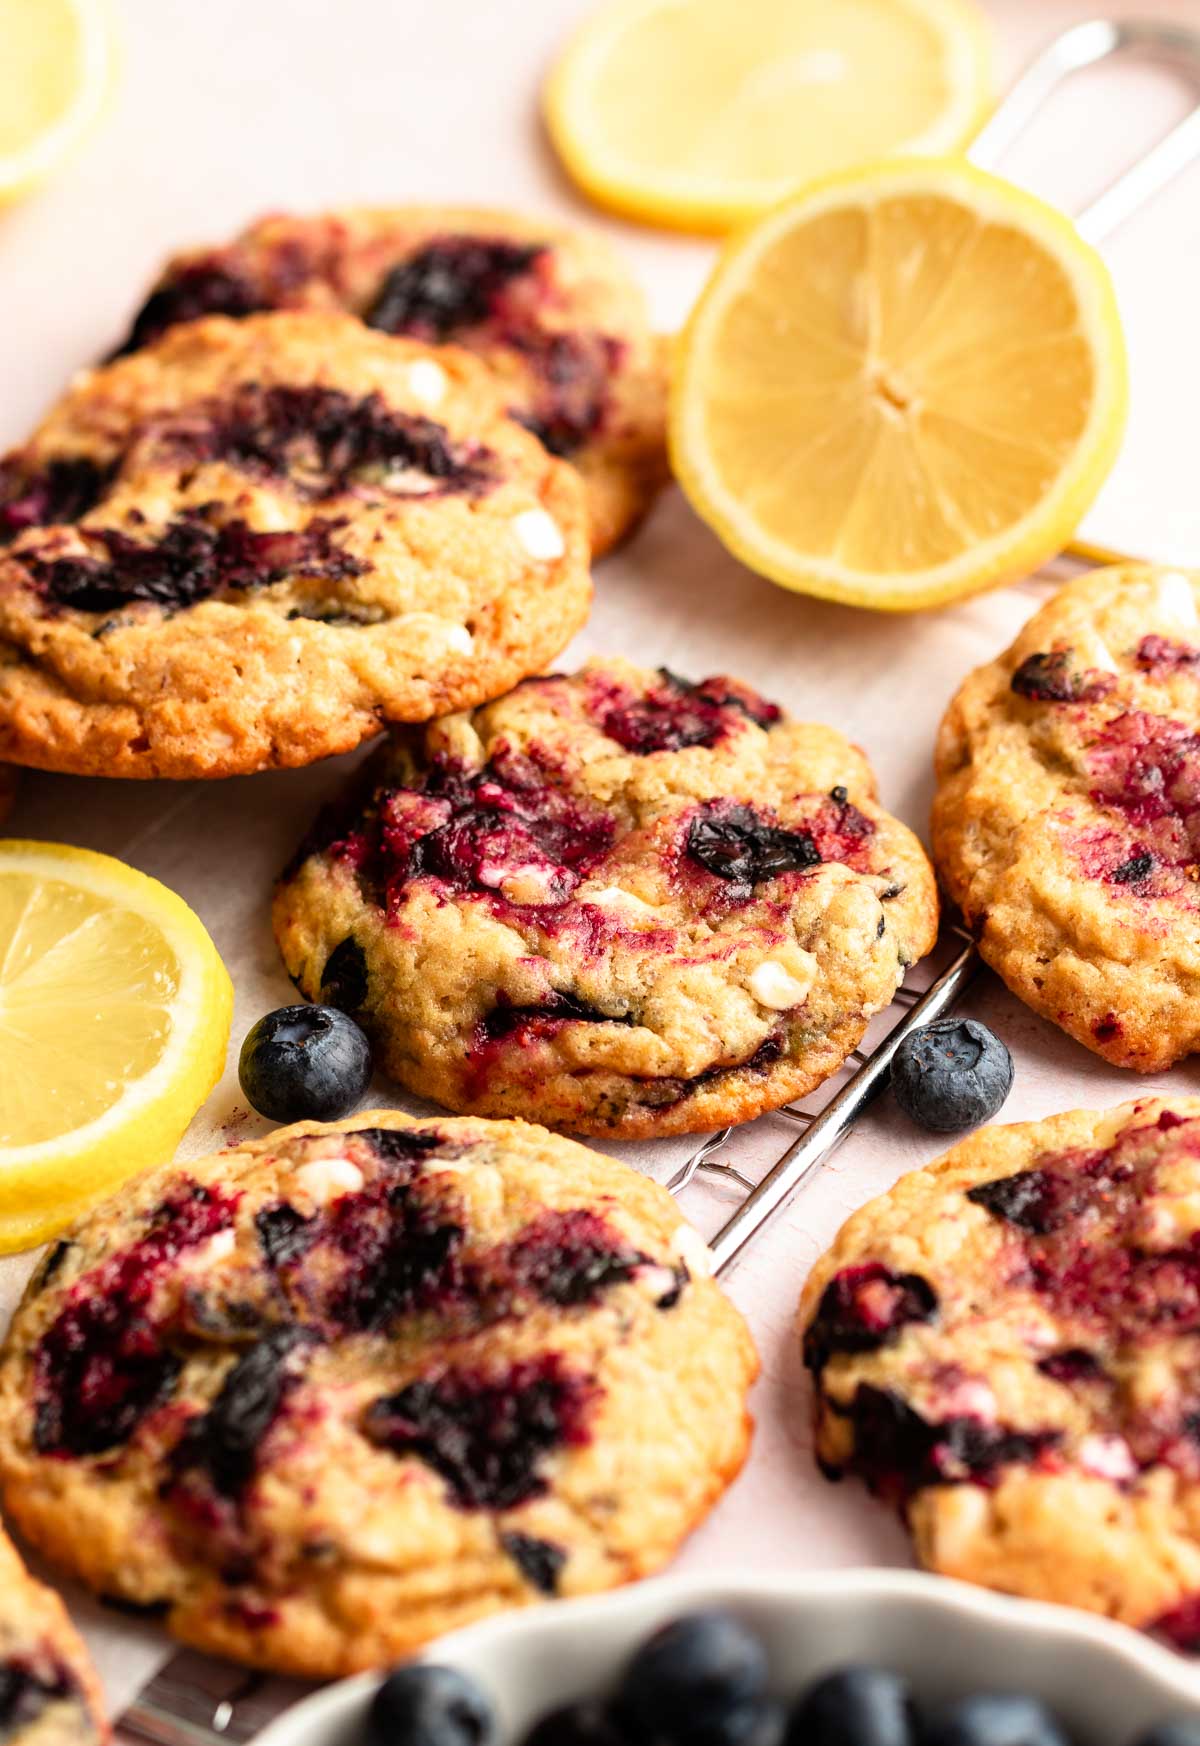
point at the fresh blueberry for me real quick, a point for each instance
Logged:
(993, 1719)
(701, 1678)
(1172, 1731)
(576, 1725)
(305, 1063)
(951, 1075)
(856, 1706)
(429, 1706)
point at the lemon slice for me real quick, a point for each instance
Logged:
(56, 66)
(114, 1020)
(904, 385)
(702, 113)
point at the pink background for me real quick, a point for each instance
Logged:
(230, 107)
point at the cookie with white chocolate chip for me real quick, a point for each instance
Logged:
(618, 902)
(254, 542)
(551, 310)
(1067, 817)
(331, 1393)
(1005, 1347)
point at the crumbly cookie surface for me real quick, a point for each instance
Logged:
(331, 1393)
(254, 542)
(552, 311)
(1067, 817)
(619, 902)
(49, 1695)
(1007, 1346)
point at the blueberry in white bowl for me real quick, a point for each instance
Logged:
(864, 1639)
(952, 1075)
(305, 1063)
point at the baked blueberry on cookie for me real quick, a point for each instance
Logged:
(254, 542)
(1067, 817)
(620, 902)
(333, 1392)
(1007, 1347)
(551, 311)
(49, 1695)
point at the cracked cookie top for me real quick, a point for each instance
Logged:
(1007, 1347)
(619, 901)
(552, 312)
(1067, 818)
(254, 542)
(328, 1394)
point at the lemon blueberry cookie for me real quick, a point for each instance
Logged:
(49, 1694)
(1067, 818)
(551, 311)
(1007, 1347)
(254, 542)
(619, 902)
(330, 1393)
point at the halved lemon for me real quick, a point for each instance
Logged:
(114, 1020)
(56, 66)
(703, 113)
(904, 385)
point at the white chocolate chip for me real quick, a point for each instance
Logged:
(454, 636)
(210, 1254)
(612, 897)
(780, 988)
(427, 382)
(326, 1179)
(693, 1251)
(1107, 1458)
(539, 533)
(1174, 599)
(656, 1281)
(1091, 651)
(971, 1398)
(529, 884)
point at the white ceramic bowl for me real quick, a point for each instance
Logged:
(1106, 1681)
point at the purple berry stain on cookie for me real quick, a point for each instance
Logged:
(488, 1434)
(371, 1254)
(1145, 771)
(522, 1027)
(492, 291)
(864, 1308)
(1052, 678)
(674, 715)
(741, 846)
(452, 283)
(104, 1363)
(898, 1452)
(28, 1685)
(569, 1258)
(539, 1561)
(324, 442)
(219, 1448)
(1180, 1625)
(61, 492)
(1160, 656)
(472, 831)
(189, 562)
(1073, 1365)
(205, 287)
(1081, 1214)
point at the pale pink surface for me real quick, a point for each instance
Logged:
(228, 108)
